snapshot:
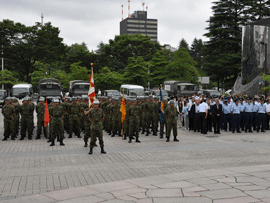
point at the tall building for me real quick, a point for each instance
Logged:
(139, 23)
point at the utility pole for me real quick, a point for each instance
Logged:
(2, 63)
(42, 19)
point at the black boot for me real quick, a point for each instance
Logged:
(137, 140)
(130, 140)
(61, 143)
(85, 144)
(142, 131)
(13, 138)
(102, 151)
(52, 144)
(70, 136)
(160, 136)
(147, 133)
(125, 136)
(119, 134)
(21, 138)
(168, 139)
(113, 135)
(95, 145)
(175, 139)
(154, 134)
(79, 136)
(91, 151)
(37, 137)
(5, 138)
(110, 133)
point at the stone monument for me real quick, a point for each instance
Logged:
(255, 52)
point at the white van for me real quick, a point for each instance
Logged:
(132, 90)
(22, 90)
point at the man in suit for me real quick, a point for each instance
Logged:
(217, 110)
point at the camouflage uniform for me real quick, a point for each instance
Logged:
(126, 121)
(8, 112)
(57, 113)
(134, 121)
(162, 124)
(96, 116)
(74, 122)
(16, 117)
(151, 108)
(40, 109)
(65, 106)
(26, 123)
(171, 119)
(109, 119)
(144, 117)
(116, 119)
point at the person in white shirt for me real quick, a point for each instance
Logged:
(203, 109)
(99, 92)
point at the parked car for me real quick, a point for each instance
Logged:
(3, 95)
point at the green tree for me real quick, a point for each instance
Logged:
(24, 45)
(183, 67)
(116, 54)
(8, 78)
(183, 43)
(195, 52)
(160, 60)
(136, 71)
(107, 79)
(256, 10)
(222, 53)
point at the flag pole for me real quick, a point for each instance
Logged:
(122, 121)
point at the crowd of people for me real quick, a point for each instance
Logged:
(197, 113)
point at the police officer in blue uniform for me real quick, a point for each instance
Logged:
(261, 116)
(248, 109)
(226, 114)
(236, 117)
(255, 114)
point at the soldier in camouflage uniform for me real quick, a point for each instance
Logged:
(74, 122)
(171, 119)
(126, 121)
(151, 108)
(144, 114)
(40, 109)
(8, 112)
(32, 115)
(139, 104)
(16, 105)
(156, 113)
(134, 121)
(57, 116)
(96, 117)
(116, 118)
(65, 106)
(163, 124)
(26, 110)
(110, 115)
(83, 105)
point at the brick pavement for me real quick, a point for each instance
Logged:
(32, 167)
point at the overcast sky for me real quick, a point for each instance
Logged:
(93, 21)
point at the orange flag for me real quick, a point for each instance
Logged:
(123, 108)
(46, 117)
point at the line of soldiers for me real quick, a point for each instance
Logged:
(142, 113)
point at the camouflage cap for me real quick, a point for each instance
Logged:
(55, 100)
(8, 99)
(96, 101)
(74, 98)
(41, 99)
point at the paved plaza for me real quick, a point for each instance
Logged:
(209, 168)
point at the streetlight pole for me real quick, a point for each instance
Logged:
(265, 65)
(2, 63)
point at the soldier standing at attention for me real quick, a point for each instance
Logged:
(144, 114)
(134, 121)
(57, 116)
(8, 112)
(31, 115)
(25, 111)
(126, 121)
(96, 117)
(40, 109)
(151, 108)
(16, 105)
(74, 123)
(171, 119)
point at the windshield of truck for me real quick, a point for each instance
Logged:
(81, 88)
(138, 92)
(17, 91)
(214, 93)
(186, 87)
(113, 93)
(49, 86)
(164, 93)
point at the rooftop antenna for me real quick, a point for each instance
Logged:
(143, 5)
(128, 8)
(42, 19)
(122, 12)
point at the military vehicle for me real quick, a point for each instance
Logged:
(78, 88)
(22, 90)
(50, 88)
(180, 88)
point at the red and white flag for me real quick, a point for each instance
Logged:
(91, 92)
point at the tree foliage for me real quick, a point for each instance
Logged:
(25, 45)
